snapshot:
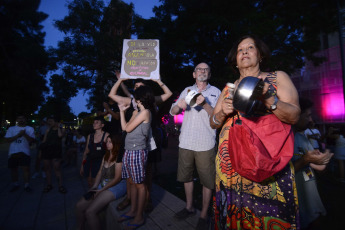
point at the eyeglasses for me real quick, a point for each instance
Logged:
(202, 69)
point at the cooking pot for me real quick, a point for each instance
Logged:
(191, 98)
(246, 96)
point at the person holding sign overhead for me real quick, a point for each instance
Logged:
(197, 140)
(153, 151)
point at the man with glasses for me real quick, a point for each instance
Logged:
(197, 142)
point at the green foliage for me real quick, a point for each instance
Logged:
(189, 32)
(56, 107)
(23, 59)
(200, 30)
(92, 48)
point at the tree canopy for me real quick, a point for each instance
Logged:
(23, 59)
(189, 32)
(201, 30)
(92, 48)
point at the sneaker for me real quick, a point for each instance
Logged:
(44, 175)
(36, 175)
(28, 189)
(14, 188)
(202, 224)
(184, 214)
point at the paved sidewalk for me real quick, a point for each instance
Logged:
(37, 210)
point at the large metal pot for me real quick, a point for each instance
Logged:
(247, 94)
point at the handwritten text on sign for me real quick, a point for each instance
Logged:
(140, 59)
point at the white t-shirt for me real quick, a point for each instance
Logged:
(21, 144)
(313, 141)
(79, 140)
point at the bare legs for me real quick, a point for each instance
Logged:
(188, 188)
(206, 198)
(138, 197)
(87, 210)
(56, 166)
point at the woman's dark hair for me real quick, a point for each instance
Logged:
(263, 49)
(145, 95)
(139, 80)
(116, 139)
(304, 104)
(99, 118)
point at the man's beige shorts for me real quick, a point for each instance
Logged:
(204, 161)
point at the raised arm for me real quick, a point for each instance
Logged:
(288, 109)
(167, 92)
(86, 151)
(123, 86)
(118, 99)
(223, 109)
(143, 116)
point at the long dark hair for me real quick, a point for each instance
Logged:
(263, 49)
(145, 95)
(111, 155)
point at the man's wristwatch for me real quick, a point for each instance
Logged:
(274, 105)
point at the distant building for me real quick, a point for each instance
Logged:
(323, 84)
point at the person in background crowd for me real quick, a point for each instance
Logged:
(20, 136)
(94, 151)
(108, 186)
(314, 136)
(41, 132)
(111, 115)
(197, 142)
(306, 160)
(51, 148)
(339, 153)
(77, 146)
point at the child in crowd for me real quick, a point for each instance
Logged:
(108, 186)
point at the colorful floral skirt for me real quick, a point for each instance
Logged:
(240, 203)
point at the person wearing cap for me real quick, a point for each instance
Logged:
(197, 140)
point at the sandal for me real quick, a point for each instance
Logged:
(47, 188)
(124, 204)
(62, 189)
(124, 217)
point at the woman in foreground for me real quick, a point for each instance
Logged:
(241, 203)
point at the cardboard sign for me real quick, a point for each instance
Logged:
(140, 59)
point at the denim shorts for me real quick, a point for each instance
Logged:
(118, 190)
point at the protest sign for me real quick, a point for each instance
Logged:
(140, 59)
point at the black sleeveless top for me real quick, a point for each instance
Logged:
(97, 150)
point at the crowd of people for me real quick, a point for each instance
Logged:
(278, 192)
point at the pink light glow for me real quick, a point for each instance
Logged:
(324, 85)
(332, 104)
(178, 119)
